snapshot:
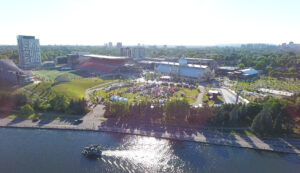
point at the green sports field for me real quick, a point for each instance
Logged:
(74, 89)
(50, 75)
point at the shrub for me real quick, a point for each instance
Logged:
(27, 110)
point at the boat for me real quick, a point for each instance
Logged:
(92, 151)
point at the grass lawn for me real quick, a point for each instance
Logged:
(242, 132)
(50, 75)
(234, 132)
(190, 94)
(74, 89)
(49, 117)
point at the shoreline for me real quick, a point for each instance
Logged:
(191, 135)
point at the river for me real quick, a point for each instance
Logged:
(36, 150)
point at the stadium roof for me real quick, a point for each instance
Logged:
(105, 56)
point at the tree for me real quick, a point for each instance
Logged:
(37, 104)
(27, 110)
(118, 109)
(240, 65)
(21, 99)
(59, 104)
(252, 109)
(177, 109)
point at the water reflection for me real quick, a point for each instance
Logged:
(31, 150)
(143, 154)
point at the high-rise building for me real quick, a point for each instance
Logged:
(125, 51)
(29, 52)
(119, 45)
(138, 52)
(110, 44)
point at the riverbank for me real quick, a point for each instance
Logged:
(163, 131)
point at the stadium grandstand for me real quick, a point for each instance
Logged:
(96, 64)
(11, 73)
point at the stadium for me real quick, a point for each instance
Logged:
(91, 64)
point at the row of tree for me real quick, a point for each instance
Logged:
(59, 104)
(273, 116)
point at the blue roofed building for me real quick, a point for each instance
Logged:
(185, 71)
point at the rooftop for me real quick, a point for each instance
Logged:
(228, 68)
(249, 71)
(104, 56)
(173, 63)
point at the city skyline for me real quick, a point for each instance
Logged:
(192, 22)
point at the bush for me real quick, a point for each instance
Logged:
(27, 110)
(59, 104)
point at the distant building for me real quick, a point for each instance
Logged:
(29, 52)
(185, 71)
(211, 63)
(224, 70)
(61, 60)
(48, 65)
(138, 52)
(243, 74)
(119, 45)
(125, 52)
(110, 44)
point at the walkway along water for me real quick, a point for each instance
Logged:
(168, 132)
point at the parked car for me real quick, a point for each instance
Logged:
(78, 121)
(35, 119)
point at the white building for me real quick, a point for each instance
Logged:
(185, 71)
(29, 52)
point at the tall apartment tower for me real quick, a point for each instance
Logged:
(29, 52)
(138, 52)
(119, 45)
(125, 51)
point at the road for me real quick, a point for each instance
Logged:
(200, 96)
(228, 96)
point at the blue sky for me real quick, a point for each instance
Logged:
(171, 22)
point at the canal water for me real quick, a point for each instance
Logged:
(34, 150)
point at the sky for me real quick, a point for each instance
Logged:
(151, 22)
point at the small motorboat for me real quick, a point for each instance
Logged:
(92, 151)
